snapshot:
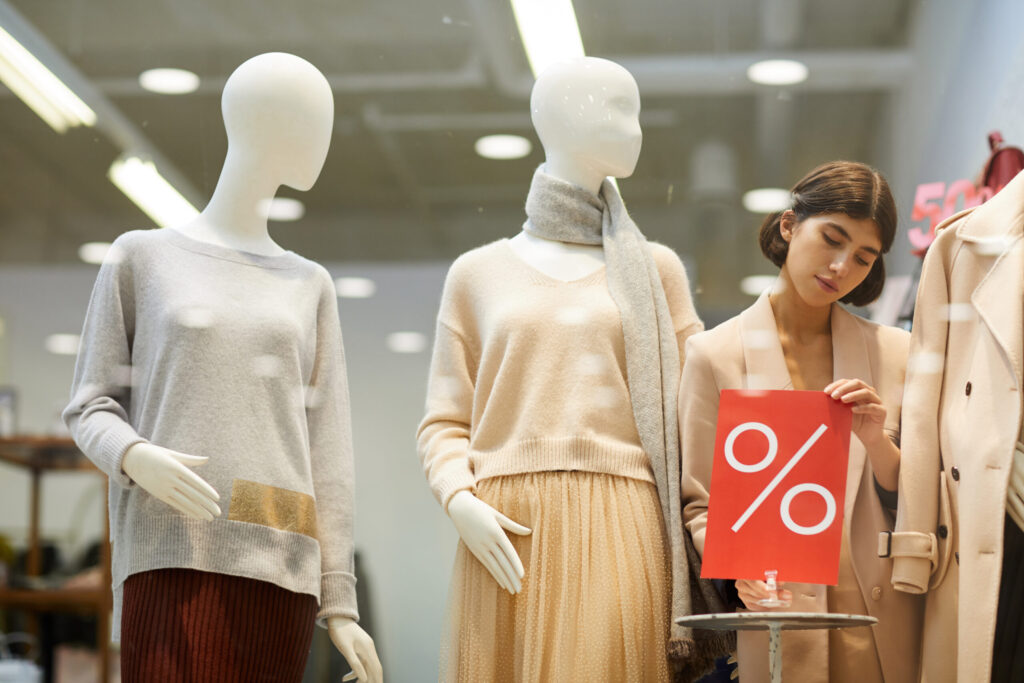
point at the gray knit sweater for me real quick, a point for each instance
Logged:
(211, 351)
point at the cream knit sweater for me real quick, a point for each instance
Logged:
(529, 373)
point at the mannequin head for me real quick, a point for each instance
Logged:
(279, 113)
(586, 113)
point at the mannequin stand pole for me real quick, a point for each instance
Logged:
(775, 652)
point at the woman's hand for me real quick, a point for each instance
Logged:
(869, 426)
(482, 529)
(752, 591)
(868, 410)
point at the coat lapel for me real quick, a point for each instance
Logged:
(850, 360)
(763, 359)
(1004, 315)
(995, 229)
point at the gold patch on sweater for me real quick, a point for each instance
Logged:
(274, 507)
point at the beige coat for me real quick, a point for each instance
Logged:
(962, 419)
(745, 353)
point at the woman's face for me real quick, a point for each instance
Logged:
(829, 254)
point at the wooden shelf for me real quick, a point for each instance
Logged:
(41, 454)
(54, 599)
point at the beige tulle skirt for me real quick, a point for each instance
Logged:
(596, 594)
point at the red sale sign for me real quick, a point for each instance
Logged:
(778, 485)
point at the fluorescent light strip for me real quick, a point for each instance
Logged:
(39, 88)
(549, 31)
(144, 185)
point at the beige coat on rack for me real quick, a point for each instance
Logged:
(745, 353)
(963, 406)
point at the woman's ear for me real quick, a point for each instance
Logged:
(787, 224)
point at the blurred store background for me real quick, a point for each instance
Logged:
(911, 86)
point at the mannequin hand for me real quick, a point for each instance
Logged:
(481, 528)
(165, 474)
(868, 411)
(752, 591)
(358, 650)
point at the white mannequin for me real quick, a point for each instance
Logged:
(586, 113)
(279, 114)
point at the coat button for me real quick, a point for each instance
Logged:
(967, 389)
(943, 531)
(955, 472)
(876, 593)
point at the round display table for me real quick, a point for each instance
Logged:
(775, 623)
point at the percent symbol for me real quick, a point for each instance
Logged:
(787, 499)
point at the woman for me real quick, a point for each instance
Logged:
(829, 248)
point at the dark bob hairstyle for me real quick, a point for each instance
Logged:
(847, 187)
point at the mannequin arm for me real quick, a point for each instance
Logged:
(357, 648)
(329, 429)
(165, 474)
(481, 528)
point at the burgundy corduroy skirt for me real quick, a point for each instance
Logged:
(188, 625)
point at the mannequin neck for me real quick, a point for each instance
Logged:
(574, 170)
(236, 215)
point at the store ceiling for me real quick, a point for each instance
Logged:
(417, 81)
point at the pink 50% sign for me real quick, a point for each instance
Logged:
(778, 486)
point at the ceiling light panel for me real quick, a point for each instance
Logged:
(39, 88)
(503, 147)
(169, 81)
(767, 200)
(778, 72)
(142, 183)
(549, 31)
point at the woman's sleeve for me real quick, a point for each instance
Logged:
(698, 418)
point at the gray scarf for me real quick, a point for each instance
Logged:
(559, 210)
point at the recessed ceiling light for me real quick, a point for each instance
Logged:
(777, 72)
(355, 287)
(407, 342)
(169, 81)
(755, 284)
(63, 344)
(284, 209)
(767, 200)
(503, 147)
(94, 252)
